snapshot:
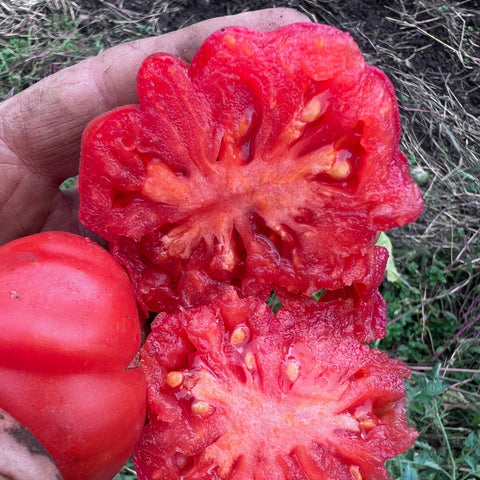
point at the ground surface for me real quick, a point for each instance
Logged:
(372, 23)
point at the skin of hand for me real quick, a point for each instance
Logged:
(41, 127)
(22, 457)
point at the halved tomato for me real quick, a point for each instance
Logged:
(235, 392)
(272, 161)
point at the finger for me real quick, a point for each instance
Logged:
(43, 124)
(183, 43)
(22, 457)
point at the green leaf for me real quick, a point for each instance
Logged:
(471, 462)
(318, 294)
(274, 302)
(391, 269)
(69, 183)
(409, 473)
(476, 419)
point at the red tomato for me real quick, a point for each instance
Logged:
(236, 392)
(361, 317)
(271, 161)
(70, 335)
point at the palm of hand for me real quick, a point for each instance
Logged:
(41, 127)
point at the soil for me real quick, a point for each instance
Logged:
(376, 25)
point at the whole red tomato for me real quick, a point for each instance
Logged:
(70, 337)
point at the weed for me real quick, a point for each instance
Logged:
(436, 455)
(127, 473)
(36, 41)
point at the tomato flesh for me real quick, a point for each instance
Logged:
(292, 169)
(236, 392)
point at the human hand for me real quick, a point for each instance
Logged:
(41, 127)
(22, 457)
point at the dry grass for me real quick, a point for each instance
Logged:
(442, 138)
(431, 51)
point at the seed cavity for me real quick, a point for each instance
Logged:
(367, 424)
(356, 473)
(243, 126)
(342, 167)
(312, 110)
(250, 361)
(292, 370)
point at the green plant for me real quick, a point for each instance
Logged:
(442, 451)
(127, 472)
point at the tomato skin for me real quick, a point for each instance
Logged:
(70, 334)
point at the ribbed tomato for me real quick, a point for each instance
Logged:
(271, 161)
(235, 392)
(70, 337)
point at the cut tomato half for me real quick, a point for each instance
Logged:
(272, 161)
(235, 392)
